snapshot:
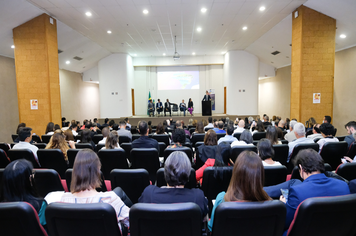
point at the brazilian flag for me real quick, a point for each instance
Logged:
(149, 97)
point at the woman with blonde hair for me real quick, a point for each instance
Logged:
(112, 141)
(57, 141)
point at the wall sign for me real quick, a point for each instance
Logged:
(34, 104)
(316, 97)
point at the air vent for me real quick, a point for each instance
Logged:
(275, 52)
(59, 51)
(79, 58)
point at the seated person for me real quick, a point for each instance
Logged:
(199, 128)
(245, 139)
(123, 131)
(151, 108)
(190, 106)
(57, 141)
(25, 137)
(210, 148)
(299, 133)
(144, 141)
(167, 107)
(178, 139)
(86, 138)
(182, 107)
(17, 185)
(316, 133)
(50, 129)
(176, 173)
(105, 132)
(327, 130)
(159, 106)
(220, 128)
(266, 153)
(241, 127)
(160, 129)
(228, 137)
(246, 184)
(112, 141)
(68, 135)
(272, 135)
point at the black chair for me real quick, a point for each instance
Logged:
(175, 108)
(53, 159)
(352, 151)
(78, 137)
(46, 138)
(208, 128)
(68, 219)
(187, 151)
(237, 135)
(197, 138)
(335, 130)
(36, 138)
(316, 140)
(132, 182)
(47, 180)
(191, 130)
(161, 181)
(198, 162)
(72, 153)
(40, 145)
(20, 218)
(161, 138)
(212, 186)
(284, 141)
(162, 146)
(97, 137)
(68, 175)
(124, 139)
(4, 160)
(281, 152)
(220, 135)
(112, 159)
(15, 154)
(341, 138)
(259, 135)
(14, 137)
(240, 218)
(236, 150)
(295, 151)
(325, 216)
(332, 152)
(127, 147)
(275, 175)
(83, 146)
(255, 142)
(135, 136)
(5, 146)
(296, 175)
(99, 146)
(347, 171)
(165, 219)
(146, 158)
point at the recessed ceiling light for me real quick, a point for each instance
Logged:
(203, 10)
(145, 11)
(262, 8)
(244, 28)
(193, 53)
(109, 32)
(164, 54)
(199, 29)
(88, 13)
(12, 46)
(342, 36)
(67, 62)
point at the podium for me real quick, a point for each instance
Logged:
(206, 108)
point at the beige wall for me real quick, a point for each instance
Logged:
(80, 100)
(9, 111)
(274, 94)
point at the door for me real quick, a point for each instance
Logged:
(133, 101)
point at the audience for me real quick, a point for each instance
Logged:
(327, 119)
(57, 141)
(25, 137)
(272, 135)
(112, 141)
(144, 141)
(290, 136)
(74, 128)
(199, 128)
(123, 131)
(246, 183)
(178, 138)
(228, 137)
(128, 125)
(241, 127)
(245, 139)
(259, 127)
(68, 135)
(221, 128)
(160, 129)
(86, 138)
(266, 153)
(106, 124)
(50, 128)
(210, 148)
(281, 125)
(327, 130)
(210, 125)
(351, 130)
(105, 132)
(56, 127)
(316, 133)
(299, 133)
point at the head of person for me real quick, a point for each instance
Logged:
(205, 123)
(272, 134)
(206, 92)
(216, 124)
(311, 122)
(85, 121)
(250, 120)
(86, 171)
(74, 127)
(143, 128)
(195, 122)
(351, 127)
(316, 129)
(183, 101)
(150, 100)
(179, 136)
(21, 125)
(105, 132)
(25, 134)
(95, 120)
(56, 127)
(50, 127)
(190, 122)
(58, 141)
(265, 149)
(111, 123)
(177, 169)
(291, 124)
(159, 100)
(210, 138)
(149, 123)
(178, 124)
(112, 140)
(309, 161)
(241, 123)
(230, 129)
(299, 130)
(190, 99)
(246, 136)
(86, 136)
(88, 125)
(274, 118)
(106, 120)
(260, 127)
(18, 183)
(281, 123)
(68, 135)
(327, 119)
(127, 120)
(247, 179)
(210, 119)
(159, 128)
(220, 125)
(200, 127)
(266, 118)
(167, 100)
(327, 129)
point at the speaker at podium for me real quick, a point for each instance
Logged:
(206, 108)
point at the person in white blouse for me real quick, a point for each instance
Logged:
(245, 139)
(266, 152)
(327, 130)
(112, 141)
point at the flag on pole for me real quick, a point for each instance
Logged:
(149, 98)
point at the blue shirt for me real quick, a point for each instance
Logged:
(291, 145)
(227, 138)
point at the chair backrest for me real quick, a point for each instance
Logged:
(351, 152)
(47, 180)
(78, 137)
(68, 175)
(83, 146)
(20, 218)
(341, 138)
(325, 216)
(132, 181)
(240, 218)
(112, 159)
(281, 152)
(46, 138)
(15, 154)
(207, 128)
(192, 130)
(162, 146)
(161, 138)
(124, 139)
(165, 219)
(296, 149)
(97, 138)
(220, 135)
(187, 151)
(237, 135)
(198, 162)
(68, 219)
(72, 153)
(5, 147)
(161, 181)
(347, 171)
(296, 175)
(36, 138)
(4, 160)
(135, 136)
(53, 159)
(259, 135)
(99, 146)
(275, 175)
(127, 147)
(14, 137)
(236, 150)
(213, 185)
(197, 138)
(146, 158)
(332, 152)
(175, 107)
(40, 145)
(284, 141)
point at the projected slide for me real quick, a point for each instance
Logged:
(177, 80)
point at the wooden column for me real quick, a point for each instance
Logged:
(313, 53)
(37, 72)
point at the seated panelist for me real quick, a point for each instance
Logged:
(167, 107)
(182, 107)
(151, 108)
(159, 106)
